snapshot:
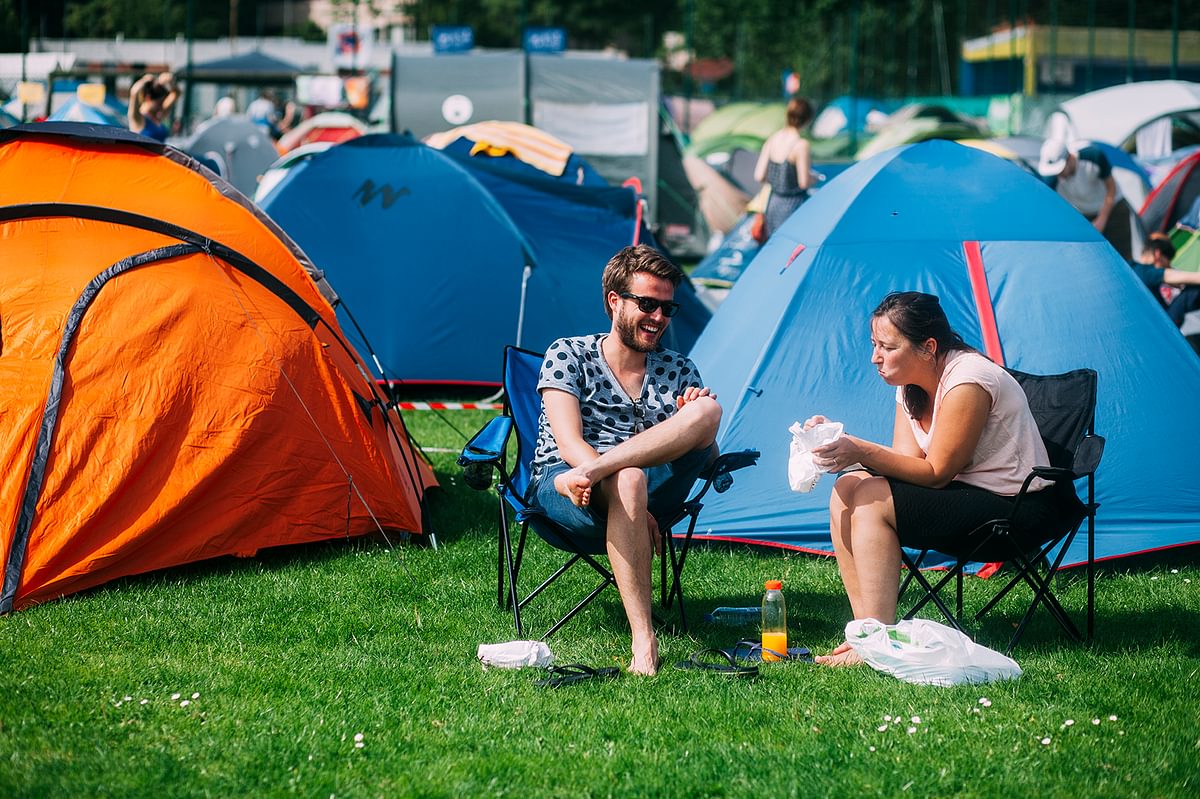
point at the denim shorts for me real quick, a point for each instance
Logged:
(668, 487)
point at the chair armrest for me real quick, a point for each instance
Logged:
(488, 444)
(484, 452)
(1052, 473)
(718, 474)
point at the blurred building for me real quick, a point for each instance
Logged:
(1038, 59)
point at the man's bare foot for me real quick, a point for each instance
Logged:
(574, 486)
(842, 655)
(645, 661)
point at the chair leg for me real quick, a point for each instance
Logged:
(558, 624)
(666, 590)
(677, 564)
(932, 595)
(503, 554)
(1091, 564)
(959, 591)
(911, 565)
(514, 570)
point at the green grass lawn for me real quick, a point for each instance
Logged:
(262, 677)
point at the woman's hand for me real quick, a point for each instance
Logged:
(838, 454)
(813, 421)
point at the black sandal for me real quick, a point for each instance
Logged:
(705, 660)
(752, 651)
(571, 673)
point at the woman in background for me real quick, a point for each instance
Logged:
(784, 164)
(150, 99)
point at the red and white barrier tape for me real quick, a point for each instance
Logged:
(450, 406)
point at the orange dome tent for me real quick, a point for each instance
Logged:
(174, 385)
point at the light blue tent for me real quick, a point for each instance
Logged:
(75, 110)
(793, 338)
(443, 262)
(724, 265)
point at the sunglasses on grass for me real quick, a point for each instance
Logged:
(648, 304)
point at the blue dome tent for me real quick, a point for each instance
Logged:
(430, 254)
(1020, 274)
(75, 110)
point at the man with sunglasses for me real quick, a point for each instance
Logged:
(625, 429)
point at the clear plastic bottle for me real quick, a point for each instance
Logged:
(774, 622)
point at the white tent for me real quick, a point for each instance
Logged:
(1117, 113)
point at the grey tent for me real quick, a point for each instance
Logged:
(241, 150)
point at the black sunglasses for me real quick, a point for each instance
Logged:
(648, 304)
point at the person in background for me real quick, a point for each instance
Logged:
(150, 100)
(785, 164)
(225, 107)
(1083, 177)
(263, 112)
(963, 441)
(626, 427)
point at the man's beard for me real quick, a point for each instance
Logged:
(627, 331)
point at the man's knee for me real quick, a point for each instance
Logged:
(629, 484)
(704, 416)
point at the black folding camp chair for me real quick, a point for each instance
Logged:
(488, 450)
(1064, 407)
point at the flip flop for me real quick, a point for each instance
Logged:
(706, 660)
(571, 673)
(752, 652)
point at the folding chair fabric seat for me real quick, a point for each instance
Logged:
(488, 451)
(1064, 408)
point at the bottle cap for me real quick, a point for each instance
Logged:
(773, 585)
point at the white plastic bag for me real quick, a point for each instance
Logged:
(803, 474)
(927, 653)
(515, 654)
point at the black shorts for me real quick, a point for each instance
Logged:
(948, 519)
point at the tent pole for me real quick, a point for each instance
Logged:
(521, 310)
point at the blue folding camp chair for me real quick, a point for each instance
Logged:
(487, 450)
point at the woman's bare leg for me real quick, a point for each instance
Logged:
(863, 525)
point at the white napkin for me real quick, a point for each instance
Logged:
(515, 654)
(803, 474)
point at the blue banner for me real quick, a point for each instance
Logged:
(452, 38)
(545, 40)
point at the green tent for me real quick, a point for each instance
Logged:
(745, 122)
(1187, 248)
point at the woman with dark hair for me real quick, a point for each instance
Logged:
(150, 100)
(963, 441)
(784, 164)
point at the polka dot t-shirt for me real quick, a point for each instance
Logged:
(610, 416)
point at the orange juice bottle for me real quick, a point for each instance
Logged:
(774, 622)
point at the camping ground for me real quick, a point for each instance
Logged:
(348, 669)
